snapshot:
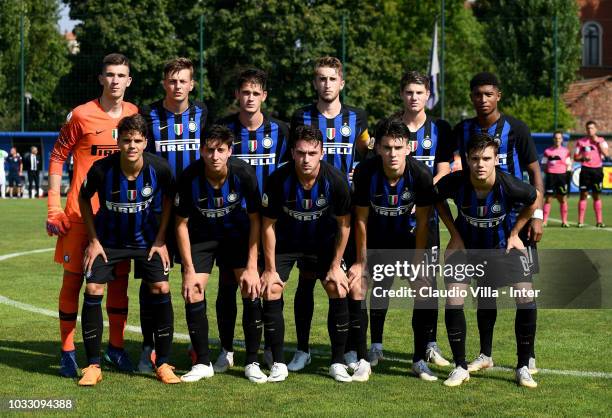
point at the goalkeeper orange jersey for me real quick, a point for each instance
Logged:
(89, 134)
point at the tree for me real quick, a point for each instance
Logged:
(46, 62)
(520, 35)
(139, 29)
(537, 113)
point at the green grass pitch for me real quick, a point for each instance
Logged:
(567, 340)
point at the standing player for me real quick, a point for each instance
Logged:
(517, 153)
(345, 140)
(306, 219)
(15, 169)
(218, 219)
(558, 170)
(589, 152)
(387, 190)
(176, 125)
(493, 206)
(89, 134)
(431, 143)
(261, 141)
(3, 155)
(129, 184)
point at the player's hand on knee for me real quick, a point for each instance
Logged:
(271, 284)
(162, 250)
(337, 276)
(357, 277)
(57, 222)
(250, 282)
(191, 287)
(93, 251)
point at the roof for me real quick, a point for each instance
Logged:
(582, 87)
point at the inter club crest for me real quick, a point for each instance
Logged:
(321, 201)
(131, 195)
(146, 191)
(496, 208)
(330, 133)
(115, 133)
(393, 199)
(406, 195)
(267, 142)
(252, 145)
(427, 144)
(307, 204)
(193, 126)
(178, 128)
(481, 211)
(345, 130)
(218, 202)
(232, 197)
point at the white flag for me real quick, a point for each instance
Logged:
(434, 70)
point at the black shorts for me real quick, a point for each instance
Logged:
(152, 271)
(490, 268)
(591, 179)
(556, 184)
(227, 254)
(317, 263)
(13, 180)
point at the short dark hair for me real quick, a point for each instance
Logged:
(558, 132)
(480, 141)
(591, 122)
(414, 77)
(177, 64)
(391, 127)
(218, 133)
(484, 79)
(306, 133)
(133, 123)
(329, 62)
(252, 75)
(114, 59)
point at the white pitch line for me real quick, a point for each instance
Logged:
(7, 256)
(318, 353)
(586, 226)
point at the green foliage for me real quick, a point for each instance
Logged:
(46, 62)
(384, 38)
(538, 113)
(520, 33)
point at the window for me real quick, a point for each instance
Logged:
(591, 44)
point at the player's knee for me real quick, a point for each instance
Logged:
(194, 297)
(334, 291)
(96, 289)
(159, 288)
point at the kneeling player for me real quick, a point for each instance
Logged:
(493, 207)
(558, 173)
(387, 188)
(306, 219)
(128, 184)
(218, 218)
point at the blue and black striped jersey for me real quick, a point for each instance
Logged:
(128, 215)
(432, 143)
(264, 148)
(306, 219)
(390, 207)
(175, 137)
(340, 134)
(516, 149)
(217, 214)
(485, 223)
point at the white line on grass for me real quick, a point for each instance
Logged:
(7, 256)
(318, 353)
(586, 226)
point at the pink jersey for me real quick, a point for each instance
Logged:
(556, 159)
(590, 150)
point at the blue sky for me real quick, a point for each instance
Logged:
(65, 23)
